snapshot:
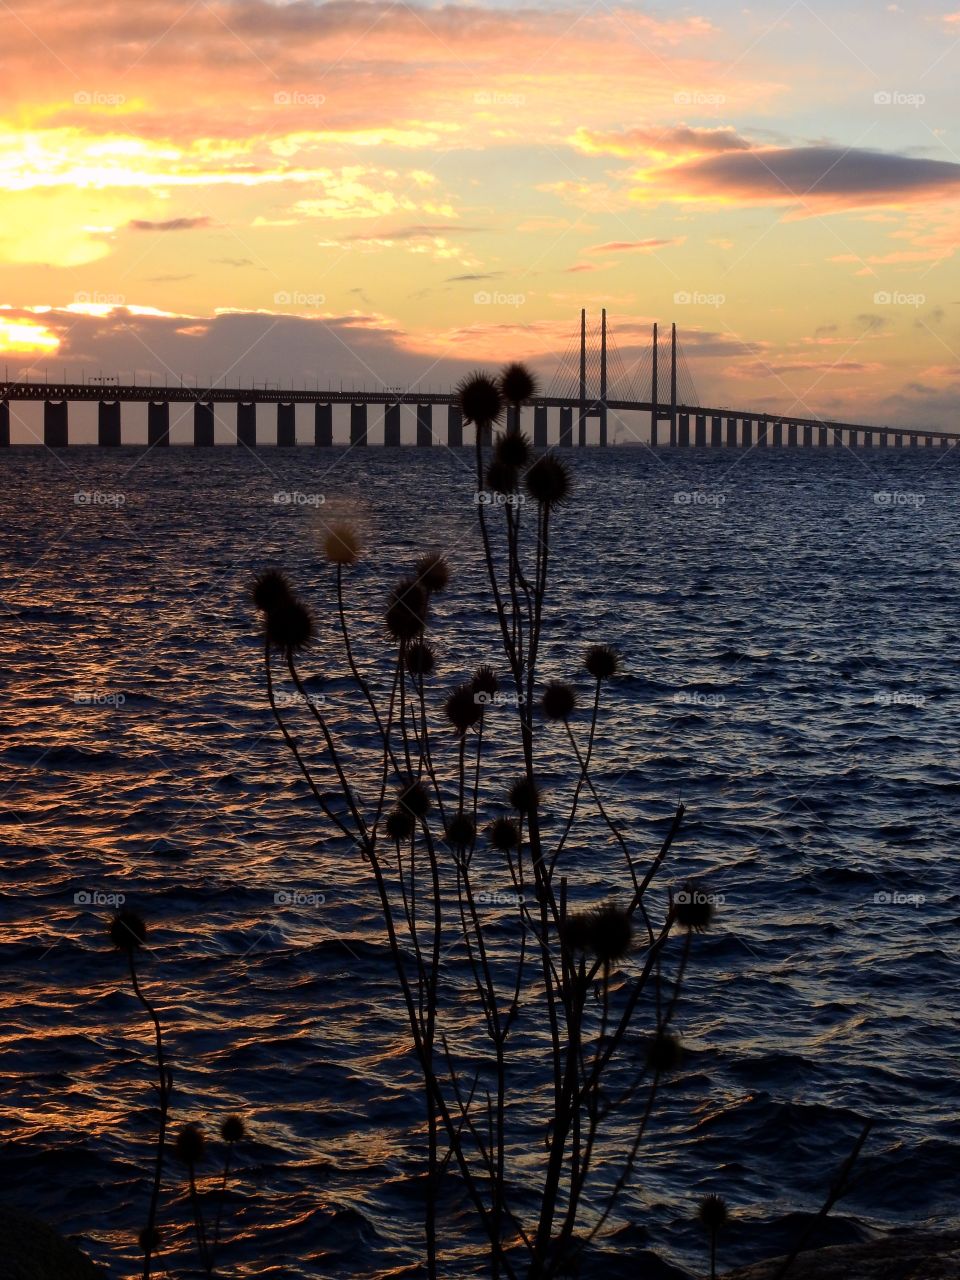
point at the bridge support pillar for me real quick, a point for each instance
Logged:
(791, 435)
(202, 424)
(55, 430)
(158, 423)
(746, 433)
(716, 432)
(358, 424)
(4, 424)
(700, 430)
(822, 437)
(808, 437)
(683, 430)
(566, 426)
(914, 440)
(286, 425)
(454, 426)
(391, 426)
(603, 424)
(763, 427)
(323, 425)
(731, 433)
(247, 424)
(654, 424)
(929, 442)
(898, 439)
(540, 426)
(778, 435)
(424, 425)
(108, 423)
(884, 440)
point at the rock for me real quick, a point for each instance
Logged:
(32, 1250)
(910, 1255)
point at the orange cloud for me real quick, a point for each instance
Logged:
(635, 246)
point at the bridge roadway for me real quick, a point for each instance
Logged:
(687, 426)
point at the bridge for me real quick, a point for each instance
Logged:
(591, 381)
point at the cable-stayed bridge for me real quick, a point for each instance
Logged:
(591, 381)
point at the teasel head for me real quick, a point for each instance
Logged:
(712, 1213)
(601, 661)
(420, 658)
(461, 831)
(400, 825)
(485, 680)
(576, 931)
(433, 573)
(512, 450)
(406, 615)
(609, 933)
(501, 478)
(128, 932)
(233, 1129)
(548, 481)
(559, 700)
(524, 795)
(414, 799)
(341, 546)
(480, 399)
(289, 626)
(149, 1240)
(664, 1052)
(692, 908)
(464, 708)
(517, 383)
(503, 834)
(270, 589)
(190, 1144)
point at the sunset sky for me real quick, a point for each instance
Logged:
(375, 191)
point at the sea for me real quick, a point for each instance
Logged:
(787, 622)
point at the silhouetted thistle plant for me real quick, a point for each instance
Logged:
(713, 1217)
(128, 933)
(555, 981)
(189, 1147)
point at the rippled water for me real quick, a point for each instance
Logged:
(790, 642)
